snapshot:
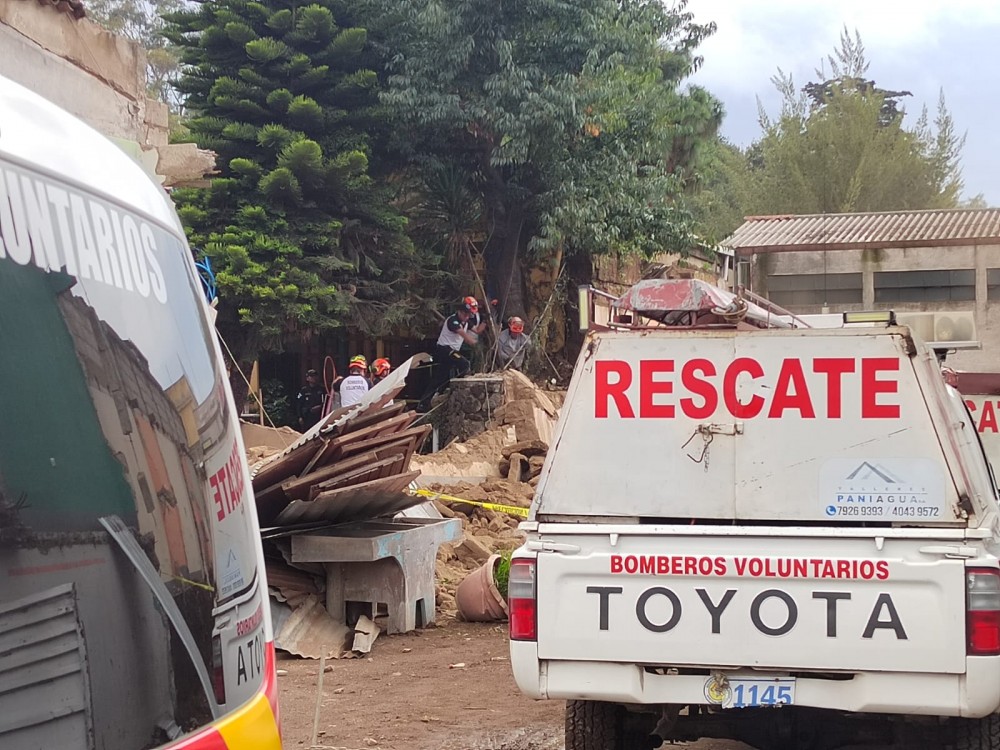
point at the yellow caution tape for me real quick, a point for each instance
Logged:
(189, 582)
(513, 510)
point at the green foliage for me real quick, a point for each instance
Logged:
(302, 239)
(501, 573)
(838, 145)
(562, 117)
(724, 190)
(278, 404)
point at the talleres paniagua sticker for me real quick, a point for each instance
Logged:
(883, 489)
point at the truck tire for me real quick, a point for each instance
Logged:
(976, 734)
(593, 725)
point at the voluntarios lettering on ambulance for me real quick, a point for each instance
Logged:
(699, 389)
(59, 228)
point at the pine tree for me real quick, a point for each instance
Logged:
(302, 236)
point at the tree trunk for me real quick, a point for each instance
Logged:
(542, 285)
(505, 265)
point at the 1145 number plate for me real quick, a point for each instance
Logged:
(739, 692)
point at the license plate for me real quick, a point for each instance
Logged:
(752, 692)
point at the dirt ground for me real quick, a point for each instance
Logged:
(443, 688)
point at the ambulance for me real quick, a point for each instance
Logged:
(133, 605)
(752, 529)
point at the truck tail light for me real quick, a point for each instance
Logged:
(218, 672)
(521, 600)
(983, 611)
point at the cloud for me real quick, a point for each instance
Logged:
(755, 38)
(923, 46)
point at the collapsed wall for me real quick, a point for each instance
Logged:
(494, 452)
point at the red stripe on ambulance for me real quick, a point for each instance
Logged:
(698, 389)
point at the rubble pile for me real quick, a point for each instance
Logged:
(483, 403)
(361, 464)
(499, 466)
(484, 532)
(351, 469)
(355, 467)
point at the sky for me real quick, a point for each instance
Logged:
(921, 46)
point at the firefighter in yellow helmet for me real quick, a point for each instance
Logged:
(355, 386)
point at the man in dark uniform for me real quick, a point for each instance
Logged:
(309, 402)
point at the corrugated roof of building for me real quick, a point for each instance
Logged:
(865, 230)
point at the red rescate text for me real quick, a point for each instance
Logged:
(698, 389)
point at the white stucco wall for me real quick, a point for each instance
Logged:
(978, 258)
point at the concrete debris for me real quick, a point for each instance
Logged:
(517, 467)
(260, 436)
(500, 465)
(527, 448)
(365, 633)
(472, 550)
(311, 633)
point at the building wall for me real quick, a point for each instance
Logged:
(98, 77)
(969, 274)
(89, 72)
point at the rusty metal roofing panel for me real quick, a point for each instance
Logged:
(44, 684)
(379, 497)
(866, 230)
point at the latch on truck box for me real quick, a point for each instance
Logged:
(708, 433)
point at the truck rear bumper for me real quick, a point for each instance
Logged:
(973, 694)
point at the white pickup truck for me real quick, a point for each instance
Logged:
(754, 531)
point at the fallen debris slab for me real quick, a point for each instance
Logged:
(311, 633)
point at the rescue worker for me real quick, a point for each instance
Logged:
(355, 386)
(309, 402)
(381, 368)
(462, 327)
(512, 343)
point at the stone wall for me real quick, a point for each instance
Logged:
(471, 407)
(501, 400)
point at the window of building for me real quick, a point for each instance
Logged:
(796, 290)
(993, 284)
(925, 286)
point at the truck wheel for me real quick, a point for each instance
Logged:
(974, 734)
(592, 725)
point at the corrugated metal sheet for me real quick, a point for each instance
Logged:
(865, 230)
(44, 683)
(311, 633)
(381, 497)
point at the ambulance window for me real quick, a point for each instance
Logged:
(114, 405)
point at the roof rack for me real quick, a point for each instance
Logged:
(680, 303)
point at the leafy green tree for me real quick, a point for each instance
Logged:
(723, 192)
(837, 145)
(303, 239)
(563, 122)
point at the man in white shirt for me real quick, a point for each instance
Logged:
(355, 386)
(461, 328)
